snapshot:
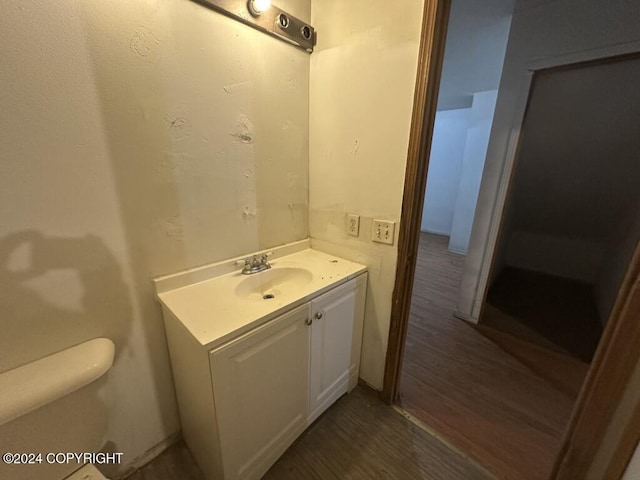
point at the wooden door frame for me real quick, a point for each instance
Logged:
(602, 399)
(432, 41)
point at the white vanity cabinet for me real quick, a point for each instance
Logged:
(243, 403)
(335, 350)
(259, 393)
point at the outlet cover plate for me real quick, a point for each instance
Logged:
(383, 231)
(353, 224)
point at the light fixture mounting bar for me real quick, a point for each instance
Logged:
(272, 21)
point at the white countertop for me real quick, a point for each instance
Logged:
(214, 313)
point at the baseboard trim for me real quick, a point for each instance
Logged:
(148, 456)
(442, 439)
(463, 316)
(366, 385)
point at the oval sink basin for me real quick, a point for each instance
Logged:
(271, 283)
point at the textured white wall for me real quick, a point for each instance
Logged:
(458, 151)
(362, 82)
(445, 167)
(137, 137)
(475, 152)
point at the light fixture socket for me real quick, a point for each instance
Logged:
(283, 21)
(257, 7)
(306, 32)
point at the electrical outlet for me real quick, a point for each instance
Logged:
(383, 231)
(353, 224)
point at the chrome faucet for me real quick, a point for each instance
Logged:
(256, 263)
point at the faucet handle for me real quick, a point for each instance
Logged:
(255, 263)
(246, 265)
(263, 259)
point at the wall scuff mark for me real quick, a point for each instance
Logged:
(172, 164)
(354, 150)
(249, 214)
(146, 46)
(179, 128)
(292, 179)
(172, 227)
(244, 130)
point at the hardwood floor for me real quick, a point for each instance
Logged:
(359, 437)
(362, 438)
(462, 385)
(563, 371)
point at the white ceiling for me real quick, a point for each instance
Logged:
(476, 42)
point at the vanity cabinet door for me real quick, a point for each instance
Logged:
(260, 389)
(334, 321)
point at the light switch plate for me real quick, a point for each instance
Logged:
(383, 231)
(353, 224)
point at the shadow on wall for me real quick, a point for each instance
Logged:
(38, 275)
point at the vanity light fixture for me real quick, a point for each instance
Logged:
(263, 16)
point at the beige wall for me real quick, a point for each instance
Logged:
(138, 137)
(362, 81)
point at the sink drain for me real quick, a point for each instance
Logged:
(268, 296)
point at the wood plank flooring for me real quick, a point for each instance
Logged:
(563, 371)
(359, 437)
(362, 438)
(465, 387)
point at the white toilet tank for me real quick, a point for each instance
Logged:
(51, 407)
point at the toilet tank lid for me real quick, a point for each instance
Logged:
(43, 381)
